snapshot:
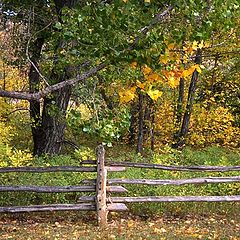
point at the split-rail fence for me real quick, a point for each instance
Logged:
(102, 203)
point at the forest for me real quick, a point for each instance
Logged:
(153, 81)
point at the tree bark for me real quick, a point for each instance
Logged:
(191, 94)
(180, 101)
(48, 135)
(34, 83)
(140, 124)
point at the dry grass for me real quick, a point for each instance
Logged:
(75, 226)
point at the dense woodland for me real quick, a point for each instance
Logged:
(146, 73)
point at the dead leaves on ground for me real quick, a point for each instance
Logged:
(120, 227)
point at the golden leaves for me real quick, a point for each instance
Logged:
(154, 94)
(191, 47)
(150, 75)
(174, 64)
(127, 95)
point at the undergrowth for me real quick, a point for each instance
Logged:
(209, 156)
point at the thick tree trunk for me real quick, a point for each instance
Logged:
(51, 134)
(48, 130)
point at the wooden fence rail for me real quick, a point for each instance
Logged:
(102, 202)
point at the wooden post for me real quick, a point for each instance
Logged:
(101, 203)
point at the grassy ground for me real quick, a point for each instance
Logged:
(143, 221)
(77, 226)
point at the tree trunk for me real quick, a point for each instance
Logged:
(133, 123)
(140, 124)
(51, 134)
(34, 83)
(48, 128)
(191, 94)
(180, 101)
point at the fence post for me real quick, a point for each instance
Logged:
(101, 204)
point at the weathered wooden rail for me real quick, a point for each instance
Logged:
(102, 202)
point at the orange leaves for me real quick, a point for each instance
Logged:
(150, 75)
(146, 70)
(140, 85)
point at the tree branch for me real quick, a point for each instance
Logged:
(55, 87)
(71, 82)
(143, 31)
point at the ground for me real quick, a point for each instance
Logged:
(120, 226)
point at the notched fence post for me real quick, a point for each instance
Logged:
(101, 203)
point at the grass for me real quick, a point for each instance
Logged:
(143, 221)
(83, 226)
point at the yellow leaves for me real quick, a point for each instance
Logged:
(130, 223)
(147, 1)
(169, 56)
(189, 71)
(154, 94)
(125, 1)
(194, 45)
(133, 65)
(201, 44)
(190, 47)
(173, 82)
(218, 121)
(164, 59)
(127, 95)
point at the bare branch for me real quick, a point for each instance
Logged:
(50, 89)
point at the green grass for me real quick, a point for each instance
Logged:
(208, 156)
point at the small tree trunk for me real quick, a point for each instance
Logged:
(140, 124)
(133, 123)
(180, 101)
(34, 82)
(152, 129)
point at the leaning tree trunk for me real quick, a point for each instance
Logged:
(188, 111)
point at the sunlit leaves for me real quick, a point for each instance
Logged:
(154, 94)
(127, 95)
